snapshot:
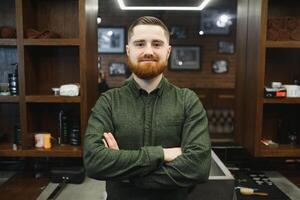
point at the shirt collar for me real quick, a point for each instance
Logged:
(137, 90)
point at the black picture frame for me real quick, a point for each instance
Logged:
(210, 23)
(225, 47)
(111, 39)
(178, 32)
(220, 66)
(117, 69)
(185, 58)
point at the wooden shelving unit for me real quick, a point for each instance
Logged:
(9, 99)
(52, 99)
(44, 64)
(268, 61)
(52, 42)
(283, 44)
(55, 151)
(8, 42)
(280, 151)
(282, 101)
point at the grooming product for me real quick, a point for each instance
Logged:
(43, 140)
(55, 91)
(74, 137)
(13, 82)
(63, 127)
(69, 90)
(17, 135)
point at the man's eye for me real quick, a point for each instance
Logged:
(157, 44)
(139, 44)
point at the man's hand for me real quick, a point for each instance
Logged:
(171, 153)
(109, 141)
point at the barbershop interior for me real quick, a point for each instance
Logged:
(240, 57)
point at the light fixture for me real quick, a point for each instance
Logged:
(186, 8)
(99, 20)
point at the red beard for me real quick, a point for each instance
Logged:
(147, 70)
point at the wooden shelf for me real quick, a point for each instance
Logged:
(8, 42)
(52, 99)
(283, 150)
(287, 100)
(282, 44)
(9, 99)
(55, 151)
(51, 42)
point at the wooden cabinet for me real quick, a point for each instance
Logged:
(267, 61)
(44, 63)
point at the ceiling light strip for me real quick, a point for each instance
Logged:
(187, 8)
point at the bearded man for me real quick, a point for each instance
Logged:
(148, 139)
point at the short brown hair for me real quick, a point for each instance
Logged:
(148, 20)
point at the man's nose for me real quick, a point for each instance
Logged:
(148, 49)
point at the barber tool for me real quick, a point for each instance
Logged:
(251, 191)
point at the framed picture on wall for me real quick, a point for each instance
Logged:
(178, 32)
(111, 40)
(185, 58)
(225, 47)
(215, 22)
(220, 66)
(117, 69)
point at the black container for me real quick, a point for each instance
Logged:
(63, 127)
(17, 135)
(74, 137)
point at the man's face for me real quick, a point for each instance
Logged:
(148, 51)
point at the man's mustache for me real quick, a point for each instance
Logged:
(148, 58)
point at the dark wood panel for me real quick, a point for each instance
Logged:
(279, 8)
(54, 15)
(48, 67)
(9, 118)
(8, 13)
(282, 65)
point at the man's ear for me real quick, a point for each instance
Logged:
(127, 50)
(169, 51)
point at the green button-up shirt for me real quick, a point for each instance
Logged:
(143, 124)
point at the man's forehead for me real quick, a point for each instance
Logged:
(148, 31)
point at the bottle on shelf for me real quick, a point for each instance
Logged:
(13, 81)
(63, 128)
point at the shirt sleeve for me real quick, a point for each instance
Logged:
(102, 163)
(193, 165)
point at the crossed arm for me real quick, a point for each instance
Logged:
(169, 153)
(149, 166)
